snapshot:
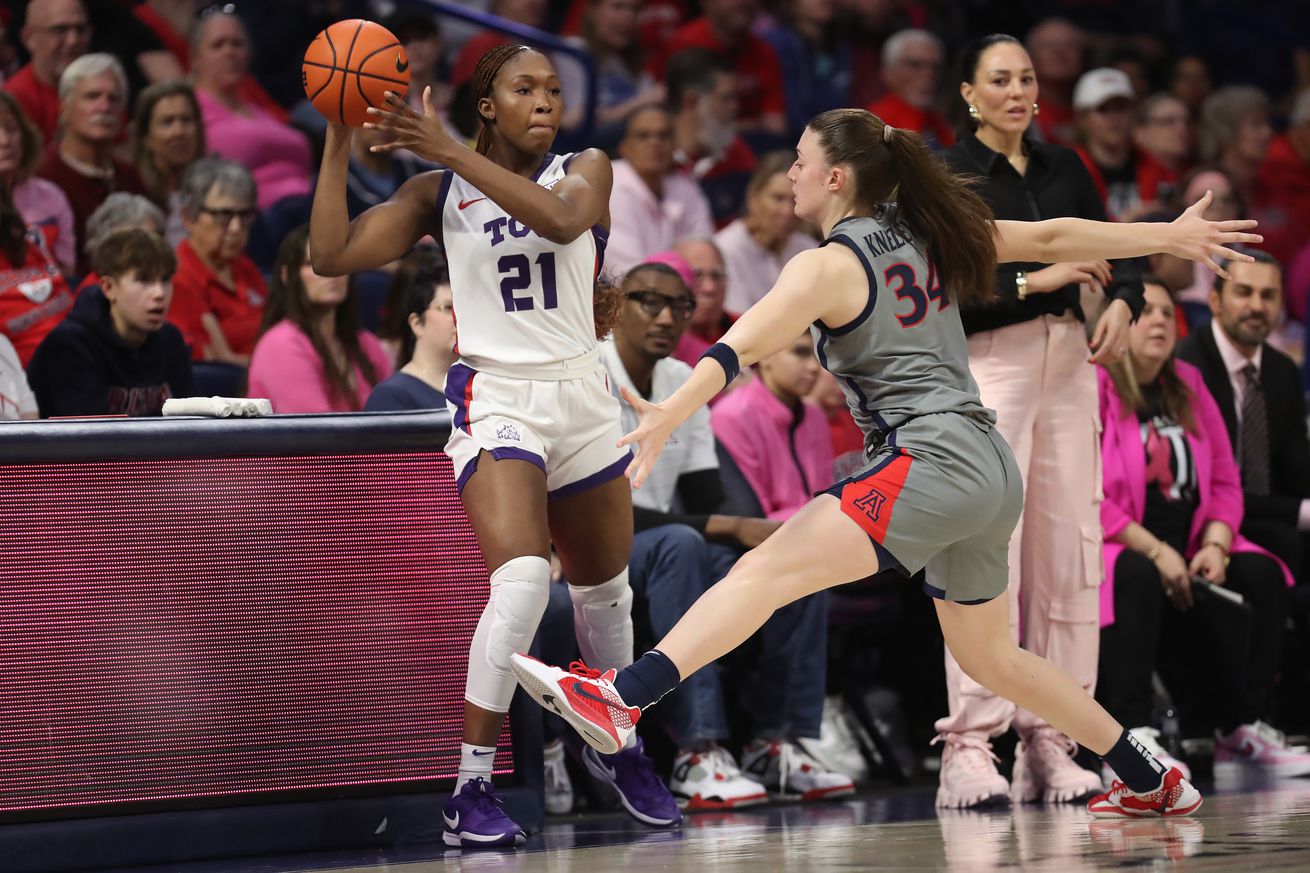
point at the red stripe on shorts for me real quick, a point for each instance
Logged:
(468, 404)
(870, 501)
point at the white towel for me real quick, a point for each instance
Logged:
(218, 407)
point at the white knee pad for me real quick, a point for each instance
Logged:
(519, 591)
(602, 621)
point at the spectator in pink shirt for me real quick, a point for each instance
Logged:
(779, 440)
(277, 155)
(312, 355)
(652, 206)
(42, 203)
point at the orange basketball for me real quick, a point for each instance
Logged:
(350, 67)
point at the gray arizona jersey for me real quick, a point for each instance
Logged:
(905, 355)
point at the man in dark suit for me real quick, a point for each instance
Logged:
(1258, 389)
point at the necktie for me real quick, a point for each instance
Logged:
(1254, 434)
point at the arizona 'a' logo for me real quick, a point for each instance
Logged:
(871, 504)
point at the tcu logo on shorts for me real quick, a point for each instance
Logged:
(871, 504)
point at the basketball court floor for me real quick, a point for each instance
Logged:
(1240, 827)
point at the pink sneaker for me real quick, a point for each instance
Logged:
(1261, 745)
(969, 776)
(1175, 796)
(1044, 769)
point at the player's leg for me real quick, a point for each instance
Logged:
(817, 548)
(979, 637)
(506, 504)
(592, 533)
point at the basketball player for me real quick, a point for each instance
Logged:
(534, 444)
(907, 242)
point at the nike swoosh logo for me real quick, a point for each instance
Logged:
(478, 754)
(581, 691)
(465, 204)
(401, 66)
(452, 823)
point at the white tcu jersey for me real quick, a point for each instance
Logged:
(521, 301)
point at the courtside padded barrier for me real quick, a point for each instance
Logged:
(235, 637)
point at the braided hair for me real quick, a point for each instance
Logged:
(484, 80)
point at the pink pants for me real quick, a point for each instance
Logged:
(1036, 376)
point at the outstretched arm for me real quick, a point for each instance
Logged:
(561, 214)
(1075, 239)
(819, 284)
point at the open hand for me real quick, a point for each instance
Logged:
(423, 134)
(655, 425)
(1206, 242)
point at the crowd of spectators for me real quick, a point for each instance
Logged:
(157, 162)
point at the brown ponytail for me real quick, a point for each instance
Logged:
(606, 305)
(892, 164)
(484, 80)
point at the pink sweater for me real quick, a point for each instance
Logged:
(784, 461)
(1123, 460)
(286, 369)
(276, 154)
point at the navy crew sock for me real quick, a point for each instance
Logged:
(1138, 768)
(647, 679)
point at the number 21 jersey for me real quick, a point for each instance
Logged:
(520, 300)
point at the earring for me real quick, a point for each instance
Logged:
(1037, 110)
(973, 112)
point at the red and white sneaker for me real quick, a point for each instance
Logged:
(585, 698)
(1175, 796)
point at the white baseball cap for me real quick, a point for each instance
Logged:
(1099, 85)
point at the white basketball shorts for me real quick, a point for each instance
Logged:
(567, 427)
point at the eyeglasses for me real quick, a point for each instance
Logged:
(224, 217)
(653, 302)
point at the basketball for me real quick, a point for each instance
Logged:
(350, 66)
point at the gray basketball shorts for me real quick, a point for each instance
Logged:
(942, 494)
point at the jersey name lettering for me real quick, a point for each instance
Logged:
(497, 227)
(881, 242)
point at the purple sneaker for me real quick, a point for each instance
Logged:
(643, 795)
(474, 819)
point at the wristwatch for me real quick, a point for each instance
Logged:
(1021, 284)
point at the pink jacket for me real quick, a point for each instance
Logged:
(757, 430)
(1124, 479)
(285, 368)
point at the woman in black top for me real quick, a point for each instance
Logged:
(1028, 351)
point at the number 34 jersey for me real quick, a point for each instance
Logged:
(521, 301)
